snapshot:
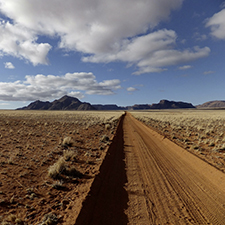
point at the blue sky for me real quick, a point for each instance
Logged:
(111, 52)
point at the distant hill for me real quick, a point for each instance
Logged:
(64, 103)
(108, 107)
(212, 104)
(139, 107)
(71, 103)
(165, 104)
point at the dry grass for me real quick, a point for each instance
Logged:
(199, 131)
(57, 168)
(207, 125)
(69, 155)
(67, 141)
(31, 154)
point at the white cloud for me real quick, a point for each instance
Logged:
(89, 25)
(9, 65)
(96, 27)
(167, 57)
(186, 67)
(217, 24)
(151, 52)
(20, 42)
(104, 30)
(208, 72)
(131, 89)
(49, 87)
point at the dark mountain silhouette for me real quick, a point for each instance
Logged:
(212, 104)
(71, 103)
(165, 104)
(140, 106)
(38, 105)
(64, 103)
(108, 107)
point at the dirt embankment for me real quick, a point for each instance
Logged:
(147, 179)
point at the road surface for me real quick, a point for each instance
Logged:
(147, 179)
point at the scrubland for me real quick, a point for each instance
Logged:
(48, 160)
(202, 132)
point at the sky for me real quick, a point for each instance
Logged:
(122, 52)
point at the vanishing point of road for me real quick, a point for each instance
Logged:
(146, 179)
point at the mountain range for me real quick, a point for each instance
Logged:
(71, 103)
(163, 104)
(212, 104)
(64, 103)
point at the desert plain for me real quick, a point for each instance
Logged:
(31, 142)
(112, 167)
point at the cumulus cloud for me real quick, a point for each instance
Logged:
(9, 65)
(186, 67)
(104, 30)
(20, 42)
(89, 25)
(50, 86)
(151, 52)
(131, 89)
(217, 24)
(95, 27)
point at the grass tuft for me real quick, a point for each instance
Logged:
(69, 155)
(67, 141)
(57, 168)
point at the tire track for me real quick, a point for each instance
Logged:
(146, 179)
(180, 194)
(155, 184)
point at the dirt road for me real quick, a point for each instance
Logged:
(146, 179)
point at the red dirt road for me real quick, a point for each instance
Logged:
(146, 179)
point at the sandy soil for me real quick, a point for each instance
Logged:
(205, 143)
(138, 177)
(147, 179)
(31, 143)
(167, 184)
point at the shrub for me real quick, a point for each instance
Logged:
(69, 155)
(57, 168)
(67, 141)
